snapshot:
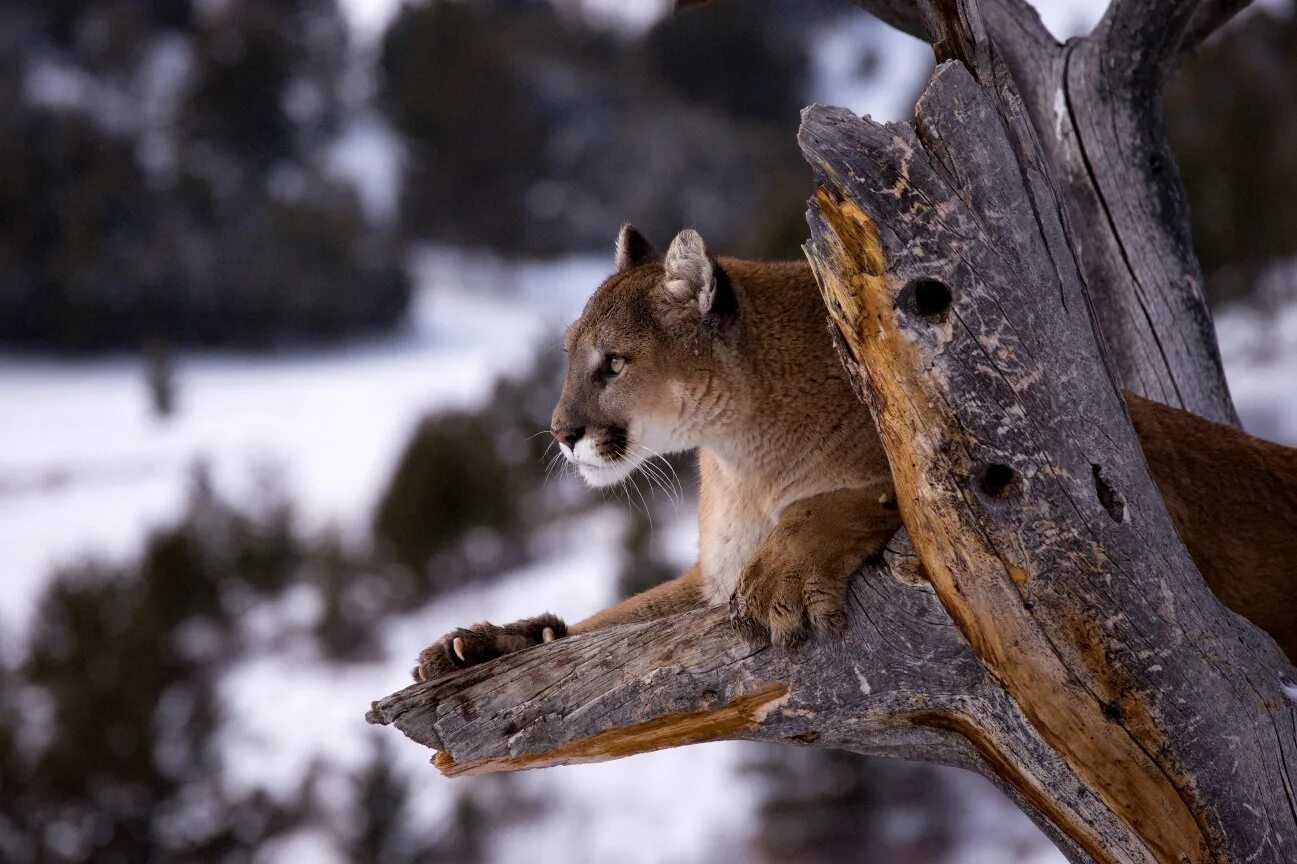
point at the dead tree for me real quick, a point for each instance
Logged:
(996, 270)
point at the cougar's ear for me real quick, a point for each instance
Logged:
(690, 273)
(633, 248)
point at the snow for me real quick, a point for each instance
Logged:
(1289, 689)
(1258, 345)
(1068, 18)
(900, 65)
(82, 456)
(370, 157)
(368, 19)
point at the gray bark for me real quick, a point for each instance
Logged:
(994, 413)
(1095, 107)
(1063, 647)
(900, 682)
(907, 16)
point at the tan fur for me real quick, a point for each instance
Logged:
(1233, 498)
(787, 459)
(734, 358)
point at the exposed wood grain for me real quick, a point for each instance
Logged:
(900, 682)
(1064, 606)
(709, 722)
(1094, 105)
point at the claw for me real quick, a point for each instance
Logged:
(458, 645)
(547, 635)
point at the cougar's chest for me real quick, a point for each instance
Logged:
(736, 513)
(727, 542)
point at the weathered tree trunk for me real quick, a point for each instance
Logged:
(1057, 638)
(1095, 106)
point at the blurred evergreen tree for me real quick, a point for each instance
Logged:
(735, 57)
(162, 180)
(834, 807)
(533, 133)
(469, 489)
(456, 83)
(118, 690)
(384, 834)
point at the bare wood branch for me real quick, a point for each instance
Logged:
(635, 688)
(1105, 143)
(1130, 223)
(904, 15)
(900, 682)
(1146, 36)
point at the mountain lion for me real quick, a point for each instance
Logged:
(733, 358)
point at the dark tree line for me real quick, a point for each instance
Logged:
(161, 180)
(162, 176)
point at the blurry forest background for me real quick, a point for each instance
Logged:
(281, 283)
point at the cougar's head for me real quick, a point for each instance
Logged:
(641, 356)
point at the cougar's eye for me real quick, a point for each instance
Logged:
(613, 364)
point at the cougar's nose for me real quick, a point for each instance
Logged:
(568, 435)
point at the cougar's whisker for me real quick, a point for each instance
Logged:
(647, 513)
(672, 484)
(658, 477)
(669, 466)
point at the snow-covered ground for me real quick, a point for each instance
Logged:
(86, 467)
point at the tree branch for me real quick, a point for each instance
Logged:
(1094, 106)
(899, 682)
(690, 678)
(1147, 36)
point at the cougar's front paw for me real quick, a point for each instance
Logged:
(784, 605)
(469, 646)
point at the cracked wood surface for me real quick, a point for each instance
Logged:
(1095, 107)
(899, 682)
(994, 412)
